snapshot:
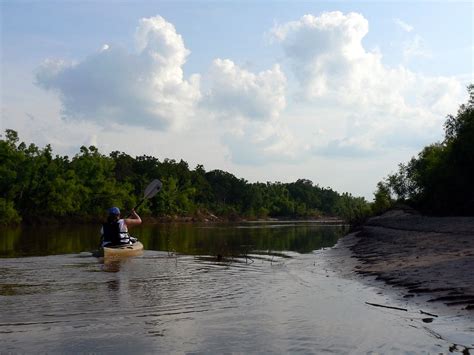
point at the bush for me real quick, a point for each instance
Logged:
(8, 213)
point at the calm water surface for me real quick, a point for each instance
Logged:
(218, 288)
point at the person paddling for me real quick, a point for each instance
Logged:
(115, 230)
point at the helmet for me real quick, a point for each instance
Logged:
(114, 210)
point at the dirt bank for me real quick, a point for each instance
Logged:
(432, 256)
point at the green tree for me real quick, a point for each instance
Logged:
(382, 198)
(353, 209)
(35, 186)
(8, 213)
(439, 179)
(100, 189)
(175, 199)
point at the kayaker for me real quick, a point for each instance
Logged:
(115, 230)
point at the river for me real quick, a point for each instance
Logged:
(251, 287)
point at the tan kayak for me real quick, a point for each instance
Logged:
(134, 249)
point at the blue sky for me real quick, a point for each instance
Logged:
(337, 92)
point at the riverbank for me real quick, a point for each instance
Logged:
(426, 256)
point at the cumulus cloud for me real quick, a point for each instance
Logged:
(145, 86)
(333, 68)
(345, 90)
(248, 106)
(236, 92)
(322, 48)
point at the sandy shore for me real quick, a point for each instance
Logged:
(427, 256)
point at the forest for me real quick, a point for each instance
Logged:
(38, 187)
(438, 181)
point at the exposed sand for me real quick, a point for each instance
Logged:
(425, 267)
(433, 256)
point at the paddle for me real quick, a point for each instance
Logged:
(151, 190)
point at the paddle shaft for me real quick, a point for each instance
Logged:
(139, 203)
(152, 189)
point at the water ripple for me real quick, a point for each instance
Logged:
(194, 304)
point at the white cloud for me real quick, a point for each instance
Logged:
(327, 57)
(360, 106)
(144, 87)
(236, 92)
(248, 107)
(403, 25)
(258, 143)
(335, 70)
(349, 147)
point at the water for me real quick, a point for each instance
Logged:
(240, 288)
(191, 239)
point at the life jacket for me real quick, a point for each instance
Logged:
(115, 233)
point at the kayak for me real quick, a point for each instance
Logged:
(119, 251)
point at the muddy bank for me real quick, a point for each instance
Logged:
(431, 256)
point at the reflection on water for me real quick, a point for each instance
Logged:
(268, 292)
(47, 240)
(224, 240)
(228, 241)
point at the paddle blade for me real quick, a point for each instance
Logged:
(152, 189)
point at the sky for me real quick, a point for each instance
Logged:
(336, 92)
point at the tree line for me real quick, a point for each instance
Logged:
(439, 180)
(37, 187)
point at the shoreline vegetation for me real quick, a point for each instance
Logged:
(37, 187)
